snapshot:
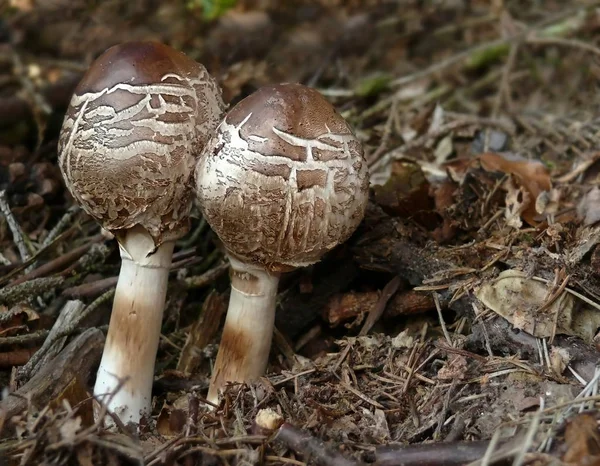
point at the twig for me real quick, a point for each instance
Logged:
(53, 344)
(387, 131)
(55, 232)
(441, 318)
(281, 459)
(207, 277)
(481, 49)
(18, 268)
(443, 413)
(388, 291)
(573, 292)
(504, 94)
(442, 131)
(61, 261)
(571, 43)
(74, 362)
(362, 396)
(4, 260)
(61, 224)
(30, 289)
(16, 357)
(311, 448)
(22, 242)
(24, 339)
(447, 63)
(529, 437)
(63, 329)
(431, 454)
(88, 290)
(95, 255)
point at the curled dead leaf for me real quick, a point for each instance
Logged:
(531, 176)
(589, 207)
(559, 359)
(524, 302)
(171, 421)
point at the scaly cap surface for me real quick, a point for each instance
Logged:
(284, 179)
(135, 125)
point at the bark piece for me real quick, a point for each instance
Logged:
(75, 361)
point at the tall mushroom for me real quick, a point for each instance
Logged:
(282, 182)
(134, 127)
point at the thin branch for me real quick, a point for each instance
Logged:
(22, 242)
(478, 50)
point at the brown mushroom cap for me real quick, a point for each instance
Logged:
(284, 179)
(135, 125)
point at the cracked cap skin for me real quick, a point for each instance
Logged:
(284, 179)
(135, 125)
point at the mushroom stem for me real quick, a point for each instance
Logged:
(244, 349)
(134, 331)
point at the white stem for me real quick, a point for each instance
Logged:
(244, 349)
(126, 373)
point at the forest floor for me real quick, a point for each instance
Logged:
(457, 326)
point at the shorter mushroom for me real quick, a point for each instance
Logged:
(282, 182)
(135, 125)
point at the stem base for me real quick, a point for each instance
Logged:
(246, 342)
(126, 373)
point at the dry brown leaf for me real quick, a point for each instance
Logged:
(589, 207)
(519, 298)
(171, 421)
(201, 333)
(403, 340)
(586, 239)
(76, 394)
(530, 175)
(69, 430)
(443, 196)
(84, 455)
(559, 359)
(583, 441)
(457, 169)
(347, 306)
(454, 369)
(17, 318)
(377, 424)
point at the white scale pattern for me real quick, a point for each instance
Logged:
(159, 127)
(213, 185)
(98, 139)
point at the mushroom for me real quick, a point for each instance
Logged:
(136, 123)
(282, 182)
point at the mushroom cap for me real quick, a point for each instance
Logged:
(284, 179)
(135, 125)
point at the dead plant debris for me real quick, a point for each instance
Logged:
(458, 326)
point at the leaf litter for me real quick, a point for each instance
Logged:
(458, 326)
